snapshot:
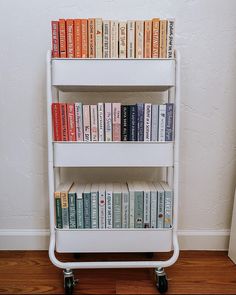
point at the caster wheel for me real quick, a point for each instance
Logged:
(162, 284)
(69, 285)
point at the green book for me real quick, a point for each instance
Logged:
(131, 204)
(57, 196)
(117, 205)
(87, 206)
(94, 205)
(72, 207)
(138, 205)
(79, 206)
(64, 189)
(168, 205)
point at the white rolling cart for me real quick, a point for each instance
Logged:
(114, 75)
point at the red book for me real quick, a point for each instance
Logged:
(56, 121)
(70, 38)
(71, 121)
(64, 126)
(55, 39)
(84, 37)
(78, 38)
(62, 37)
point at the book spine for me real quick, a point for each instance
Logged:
(106, 39)
(98, 37)
(80, 213)
(108, 122)
(131, 209)
(71, 122)
(64, 210)
(64, 126)
(57, 196)
(87, 210)
(139, 26)
(62, 38)
(84, 37)
(148, 39)
(138, 209)
(154, 132)
(94, 209)
(72, 210)
(125, 210)
(102, 210)
(101, 121)
(146, 209)
(79, 121)
(133, 123)
(70, 38)
(56, 121)
(117, 210)
(155, 37)
(94, 122)
(140, 122)
(122, 39)
(147, 121)
(130, 39)
(86, 122)
(91, 38)
(163, 32)
(109, 219)
(124, 122)
(169, 122)
(160, 209)
(78, 38)
(168, 209)
(114, 39)
(153, 209)
(116, 121)
(162, 122)
(55, 39)
(170, 38)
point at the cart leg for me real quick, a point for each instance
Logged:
(69, 281)
(161, 280)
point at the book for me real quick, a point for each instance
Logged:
(94, 122)
(87, 205)
(122, 39)
(169, 128)
(79, 206)
(140, 121)
(162, 43)
(130, 39)
(124, 122)
(132, 123)
(71, 122)
(155, 37)
(58, 209)
(162, 122)
(106, 39)
(154, 203)
(55, 39)
(108, 122)
(101, 136)
(160, 205)
(146, 205)
(79, 121)
(84, 37)
(170, 38)
(64, 126)
(155, 120)
(62, 38)
(94, 205)
(86, 122)
(78, 38)
(125, 205)
(64, 189)
(117, 205)
(131, 204)
(147, 121)
(139, 38)
(102, 205)
(70, 38)
(109, 205)
(114, 39)
(148, 39)
(72, 207)
(56, 121)
(138, 204)
(98, 37)
(91, 38)
(116, 121)
(168, 205)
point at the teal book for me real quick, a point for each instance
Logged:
(160, 205)
(117, 205)
(72, 207)
(87, 206)
(64, 189)
(131, 204)
(168, 216)
(109, 205)
(79, 206)
(125, 205)
(94, 205)
(138, 205)
(146, 206)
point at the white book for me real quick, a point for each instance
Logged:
(86, 122)
(106, 39)
(114, 39)
(147, 121)
(160, 205)
(102, 206)
(131, 204)
(146, 206)
(94, 206)
(108, 121)
(122, 39)
(139, 41)
(170, 38)
(154, 131)
(168, 216)
(109, 205)
(101, 121)
(125, 205)
(79, 121)
(162, 123)
(98, 37)
(153, 216)
(131, 39)
(94, 122)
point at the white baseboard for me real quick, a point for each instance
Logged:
(38, 239)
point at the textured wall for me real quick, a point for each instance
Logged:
(206, 39)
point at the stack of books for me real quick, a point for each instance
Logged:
(114, 205)
(113, 122)
(97, 38)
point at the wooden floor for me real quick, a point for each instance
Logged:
(196, 272)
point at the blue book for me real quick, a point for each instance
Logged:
(140, 121)
(133, 123)
(169, 122)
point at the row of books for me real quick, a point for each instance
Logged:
(97, 38)
(113, 122)
(114, 205)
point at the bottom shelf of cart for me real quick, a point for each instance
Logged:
(113, 240)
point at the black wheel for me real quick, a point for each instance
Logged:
(69, 285)
(162, 284)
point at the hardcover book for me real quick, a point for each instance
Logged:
(124, 122)
(94, 122)
(57, 196)
(94, 205)
(138, 205)
(64, 189)
(163, 33)
(79, 121)
(155, 37)
(84, 36)
(71, 122)
(86, 123)
(155, 120)
(114, 39)
(139, 40)
(102, 206)
(154, 203)
(169, 122)
(55, 39)
(101, 121)
(62, 38)
(78, 38)
(117, 205)
(140, 121)
(64, 126)
(132, 123)
(168, 205)
(98, 37)
(72, 207)
(146, 205)
(131, 204)
(87, 206)
(122, 39)
(109, 205)
(108, 121)
(70, 38)
(131, 39)
(160, 205)
(170, 38)
(56, 120)
(125, 205)
(162, 122)
(147, 121)
(91, 38)
(106, 39)
(79, 205)
(116, 121)
(148, 39)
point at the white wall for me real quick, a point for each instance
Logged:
(205, 36)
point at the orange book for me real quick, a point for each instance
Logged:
(91, 37)
(70, 38)
(78, 38)
(148, 39)
(62, 38)
(55, 39)
(155, 37)
(84, 37)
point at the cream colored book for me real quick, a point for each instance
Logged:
(114, 39)
(148, 39)
(155, 37)
(139, 38)
(163, 34)
(130, 39)
(122, 39)
(98, 37)
(94, 122)
(106, 39)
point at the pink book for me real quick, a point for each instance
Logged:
(71, 121)
(86, 119)
(108, 121)
(94, 122)
(116, 121)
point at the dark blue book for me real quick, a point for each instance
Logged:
(169, 132)
(140, 121)
(132, 123)
(124, 122)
